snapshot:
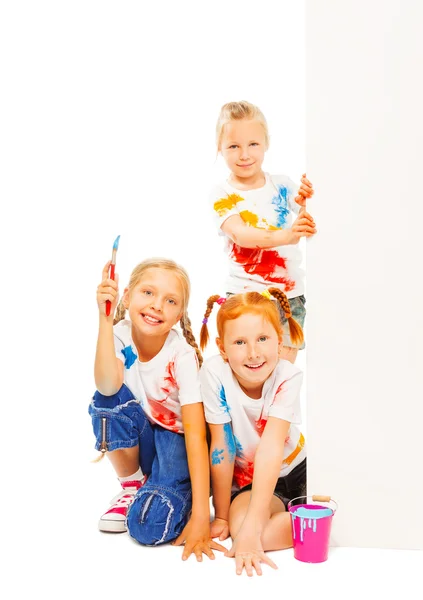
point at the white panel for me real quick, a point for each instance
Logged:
(364, 285)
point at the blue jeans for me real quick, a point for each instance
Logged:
(161, 507)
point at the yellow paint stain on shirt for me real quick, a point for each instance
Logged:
(223, 205)
(289, 459)
(252, 219)
(249, 218)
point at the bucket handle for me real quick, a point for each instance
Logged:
(321, 498)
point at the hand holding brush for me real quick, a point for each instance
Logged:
(107, 291)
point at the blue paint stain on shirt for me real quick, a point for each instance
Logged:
(229, 441)
(130, 356)
(223, 402)
(216, 456)
(280, 203)
(238, 446)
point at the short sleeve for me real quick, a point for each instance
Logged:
(187, 377)
(214, 398)
(224, 205)
(124, 349)
(286, 399)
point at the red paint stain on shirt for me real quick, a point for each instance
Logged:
(169, 381)
(261, 423)
(267, 264)
(163, 415)
(243, 471)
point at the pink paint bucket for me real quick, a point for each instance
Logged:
(311, 521)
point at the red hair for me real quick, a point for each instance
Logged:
(257, 304)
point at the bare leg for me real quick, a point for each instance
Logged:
(277, 534)
(277, 531)
(288, 353)
(237, 512)
(125, 461)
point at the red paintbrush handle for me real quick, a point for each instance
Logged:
(108, 303)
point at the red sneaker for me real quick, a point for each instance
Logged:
(114, 520)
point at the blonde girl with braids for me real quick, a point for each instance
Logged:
(147, 411)
(252, 405)
(261, 217)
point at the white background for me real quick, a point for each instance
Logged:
(107, 127)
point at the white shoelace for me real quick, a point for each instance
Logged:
(124, 498)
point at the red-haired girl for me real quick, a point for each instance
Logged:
(252, 404)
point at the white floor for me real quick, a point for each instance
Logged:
(53, 550)
(62, 555)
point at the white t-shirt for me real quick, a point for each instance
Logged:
(163, 384)
(269, 207)
(225, 402)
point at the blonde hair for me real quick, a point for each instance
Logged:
(236, 111)
(170, 265)
(255, 303)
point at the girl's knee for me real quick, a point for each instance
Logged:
(237, 512)
(122, 396)
(157, 516)
(114, 420)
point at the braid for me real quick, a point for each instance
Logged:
(189, 336)
(204, 333)
(120, 313)
(99, 458)
(295, 330)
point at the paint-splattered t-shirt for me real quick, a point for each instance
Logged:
(163, 384)
(269, 207)
(225, 403)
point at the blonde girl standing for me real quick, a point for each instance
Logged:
(261, 217)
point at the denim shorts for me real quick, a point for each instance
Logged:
(291, 486)
(298, 311)
(161, 507)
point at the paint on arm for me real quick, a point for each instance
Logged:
(217, 456)
(229, 447)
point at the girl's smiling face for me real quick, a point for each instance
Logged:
(243, 145)
(156, 303)
(251, 346)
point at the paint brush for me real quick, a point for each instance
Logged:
(112, 271)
